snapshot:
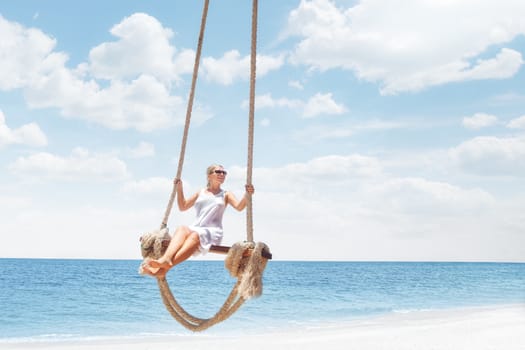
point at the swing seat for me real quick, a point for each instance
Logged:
(223, 249)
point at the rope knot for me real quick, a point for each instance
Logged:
(247, 268)
(153, 244)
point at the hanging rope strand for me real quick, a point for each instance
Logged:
(230, 306)
(188, 112)
(249, 167)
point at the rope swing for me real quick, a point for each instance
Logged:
(246, 260)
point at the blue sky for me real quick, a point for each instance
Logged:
(385, 130)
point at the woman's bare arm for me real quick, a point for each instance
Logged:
(182, 202)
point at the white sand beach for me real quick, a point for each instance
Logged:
(476, 329)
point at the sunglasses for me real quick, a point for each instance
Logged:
(223, 172)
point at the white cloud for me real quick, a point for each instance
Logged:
(337, 166)
(344, 205)
(24, 54)
(227, 69)
(323, 132)
(101, 231)
(518, 123)
(320, 104)
(265, 122)
(409, 45)
(323, 171)
(28, 134)
(154, 185)
(491, 156)
(144, 104)
(142, 48)
(79, 166)
(232, 67)
(479, 120)
(144, 149)
(137, 96)
(296, 84)
(416, 196)
(346, 129)
(125, 84)
(509, 97)
(267, 101)
(506, 63)
(14, 202)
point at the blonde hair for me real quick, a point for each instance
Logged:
(209, 171)
(211, 168)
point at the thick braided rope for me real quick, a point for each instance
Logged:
(247, 269)
(249, 167)
(195, 324)
(188, 112)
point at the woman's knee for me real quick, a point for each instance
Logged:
(194, 237)
(183, 231)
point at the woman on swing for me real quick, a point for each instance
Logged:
(210, 203)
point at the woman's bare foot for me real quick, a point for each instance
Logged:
(160, 264)
(154, 271)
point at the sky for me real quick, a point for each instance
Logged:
(385, 130)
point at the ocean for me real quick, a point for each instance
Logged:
(57, 300)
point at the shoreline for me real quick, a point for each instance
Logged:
(479, 328)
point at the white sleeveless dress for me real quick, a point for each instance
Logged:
(208, 223)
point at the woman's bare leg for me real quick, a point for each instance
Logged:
(176, 243)
(190, 246)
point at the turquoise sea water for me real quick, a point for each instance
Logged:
(47, 300)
